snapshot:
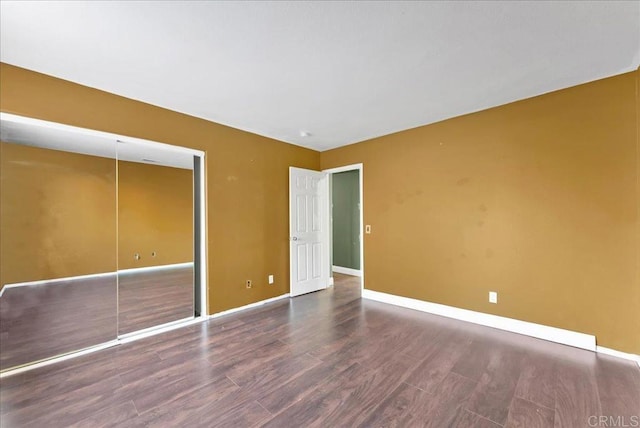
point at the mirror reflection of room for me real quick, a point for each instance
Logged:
(155, 245)
(97, 240)
(57, 270)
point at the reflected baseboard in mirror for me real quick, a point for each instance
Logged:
(155, 244)
(149, 298)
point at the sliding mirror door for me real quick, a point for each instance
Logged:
(58, 242)
(155, 236)
(99, 239)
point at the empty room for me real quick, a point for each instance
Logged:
(320, 214)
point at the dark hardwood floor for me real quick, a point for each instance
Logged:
(49, 319)
(327, 359)
(148, 299)
(44, 320)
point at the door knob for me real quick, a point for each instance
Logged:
(295, 238)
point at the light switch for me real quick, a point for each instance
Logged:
(367, 229)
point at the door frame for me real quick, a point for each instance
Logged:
(353, 167)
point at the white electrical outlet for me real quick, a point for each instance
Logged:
(270, 279)
(493, 297)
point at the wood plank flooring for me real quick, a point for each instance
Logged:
(327, 359)
(45, 320)
(49, 319)
(148, 299)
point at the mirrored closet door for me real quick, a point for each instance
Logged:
(99, 239)
(155, 236)
(58, 242)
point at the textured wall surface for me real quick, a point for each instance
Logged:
(537, 200)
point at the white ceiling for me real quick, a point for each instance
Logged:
(54, 136)
(342, 71)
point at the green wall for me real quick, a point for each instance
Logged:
(346, 220)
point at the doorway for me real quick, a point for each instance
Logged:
(310, 230)
(346, 221)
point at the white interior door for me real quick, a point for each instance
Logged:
(308, 230)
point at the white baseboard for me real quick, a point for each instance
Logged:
(154, 268)
(249, 306)
(553, 334)
(55, 280)
(346, 271)
(331, 282)
(619, 354)
(95, 275)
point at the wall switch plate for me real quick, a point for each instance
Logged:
(249, 285)
(270, 279)
(493, 297)
(367, 229)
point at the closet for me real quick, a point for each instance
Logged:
(100, 239)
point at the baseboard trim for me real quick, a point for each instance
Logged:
(95, 275)
(154, 268)
(249, 306)
(346, 271)
(619, 354)
(56, 280)
(553, 334)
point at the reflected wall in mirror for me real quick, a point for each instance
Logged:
(58, 248)
(155, 244)
(96, 238)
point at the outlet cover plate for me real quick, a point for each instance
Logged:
(493, 297)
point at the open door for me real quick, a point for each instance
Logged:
(308, 231)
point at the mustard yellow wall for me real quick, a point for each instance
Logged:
(247, 176)
(57, 214)
(537, 200)
(155, 214)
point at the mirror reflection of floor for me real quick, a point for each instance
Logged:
(52, 318)
(148, 299)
